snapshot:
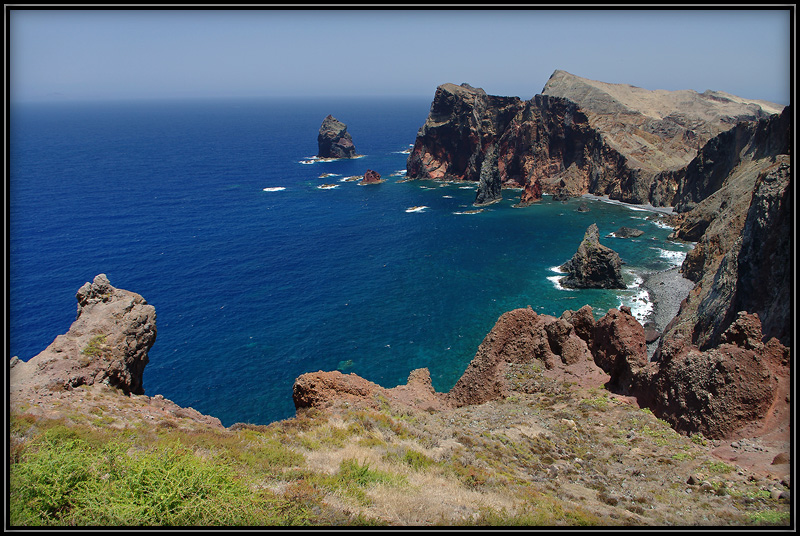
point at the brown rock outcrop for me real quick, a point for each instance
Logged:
(333, 140)
(371, 177)
(107, 343)
(518, 336)
(620, 349)
(593, 265)
(723, 389)
(324, 389)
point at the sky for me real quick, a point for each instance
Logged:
(114, 54)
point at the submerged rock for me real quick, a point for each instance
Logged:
(593, 265)
(334, 141)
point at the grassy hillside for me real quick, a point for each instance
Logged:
(557, 455)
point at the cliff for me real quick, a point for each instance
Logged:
(578, 136)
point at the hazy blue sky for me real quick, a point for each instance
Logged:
(118, 54)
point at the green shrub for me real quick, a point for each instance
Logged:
(63, 481)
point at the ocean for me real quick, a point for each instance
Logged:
(264, 263)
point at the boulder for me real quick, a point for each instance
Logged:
(628, 232)
(334, 141)
(532, 193)
(593, 265)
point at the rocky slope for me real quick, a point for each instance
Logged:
(579, 136)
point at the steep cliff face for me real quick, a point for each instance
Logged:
(550, 141)
(747, 215)
(580, 136)
(657, 132)
(464, 124)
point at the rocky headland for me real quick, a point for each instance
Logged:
(550, 404)
(334, 141)
(578, 136)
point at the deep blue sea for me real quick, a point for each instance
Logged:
(214, 212)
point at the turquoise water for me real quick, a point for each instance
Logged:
(216, 213)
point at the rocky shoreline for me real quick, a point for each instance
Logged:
(667, 289)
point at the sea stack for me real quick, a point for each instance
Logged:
(593, 265)
(334, 141)
(371, 177)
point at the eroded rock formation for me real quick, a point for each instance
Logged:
(463, 125)
(593, 265)
(333, 140)
(107, 343)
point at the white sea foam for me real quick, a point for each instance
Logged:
(274, 189)
(447, 197)
(674, 257)
(476, 211)
(316, 159)
(659, 223)
(638, 299)
(327, 186)
(640, 304)
(398, 173)
(416, 209)
(556, 280)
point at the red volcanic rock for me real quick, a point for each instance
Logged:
(371, 177)
(619, 347)
(320, 389)
(324, 389)
(583, 321)
(519, 336)
(721, 390)
(532, 193)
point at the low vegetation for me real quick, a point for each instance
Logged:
(551, 458)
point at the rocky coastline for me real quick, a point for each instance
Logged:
(720, 369)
